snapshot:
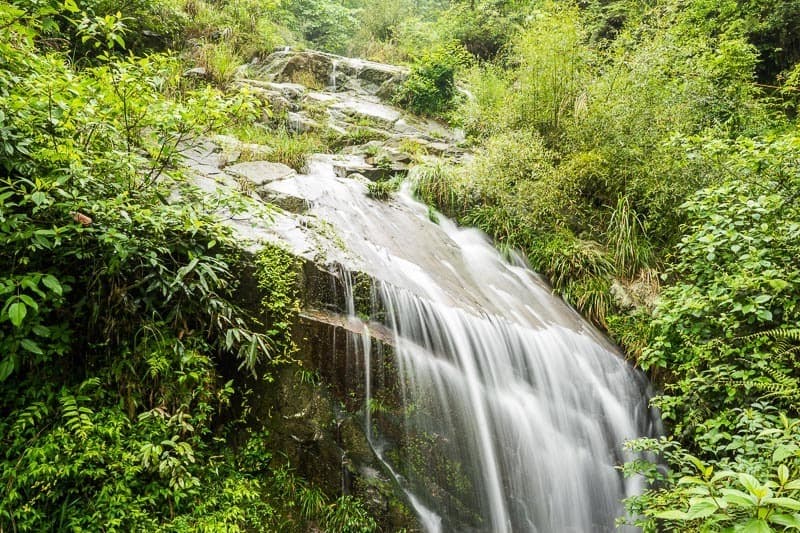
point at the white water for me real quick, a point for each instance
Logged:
(334, 68)
(515, 408)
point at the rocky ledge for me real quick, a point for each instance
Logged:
(320, 425)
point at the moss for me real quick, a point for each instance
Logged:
(278, 275)
(366, 300)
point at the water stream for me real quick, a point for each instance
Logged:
(513, 409)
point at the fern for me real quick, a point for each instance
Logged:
(77, 417)
(782, 333)
(782, 387)
(31, 416)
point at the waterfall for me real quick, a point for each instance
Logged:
(334, 68)
(514, 417)
(492, 403)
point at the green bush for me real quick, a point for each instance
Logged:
(430, 89)
(725, 333)
(124, 360)
(327, 25)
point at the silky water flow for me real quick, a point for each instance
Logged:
(509, 410)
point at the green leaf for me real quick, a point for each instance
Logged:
(31, 346)
(778, 284)
(755, 526)
(17, 312)
(52, 283)
(739, 498)
(722, 474)
(702, 508)
(783, 474)
(700, 465)
(750, 483)
(41, 331)
(6, 368)
(39, 198)
(786, 520)
(673, 514)
(27, 300)
(783, 451)
(788, 503)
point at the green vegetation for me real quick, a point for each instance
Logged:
(127, 370)
(431, 88)
(644, 157)
(383, 189)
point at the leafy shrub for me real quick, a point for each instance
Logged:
(482, 30)
(430, 88)
(754, 492)
(116, 303)
(247, 27)
(326, 25)
(553, 69)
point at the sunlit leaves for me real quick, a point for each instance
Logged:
(716, 500)
(135, 292)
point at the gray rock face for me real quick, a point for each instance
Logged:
(261, 172)
(336, 73)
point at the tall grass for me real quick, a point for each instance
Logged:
(554, 68)
(221, 60)
(627, 239)
(436, 185)
(291, 149)
(566, 259)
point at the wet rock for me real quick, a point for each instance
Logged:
(292, 91)
(641, 292)
(300, 123)
(366, 109)
(321, 426)
(313, 68)
(197, 72)
(285, 199)
(357, 176)
(276, 101)
(319, 69)
(320, 98)
(261, 172)
(365, 170)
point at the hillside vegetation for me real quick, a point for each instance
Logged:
(643, 155)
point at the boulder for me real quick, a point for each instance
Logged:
(261, 172)
(300, 123)
(337, 73)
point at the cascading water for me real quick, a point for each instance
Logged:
(506, 411)
(334, 69)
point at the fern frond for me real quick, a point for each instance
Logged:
(784, 333)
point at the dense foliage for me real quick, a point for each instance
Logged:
(125, 366)
(644, 157)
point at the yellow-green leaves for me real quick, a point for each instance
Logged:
(17, 312)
